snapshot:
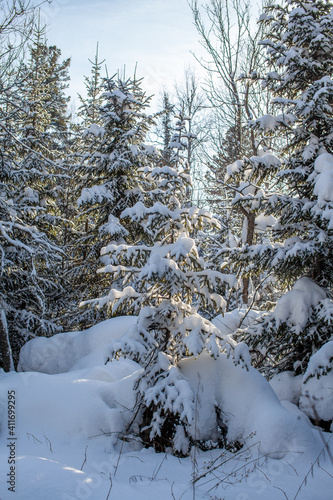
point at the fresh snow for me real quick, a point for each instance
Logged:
(323, 188)
(94, 130)
(237, 318)
(317, 390)
(287, 387)
(70, 407)
(249, 408)
(264, 222)
(62, 352)
(321, 362)
(296, 305)
(316, 399)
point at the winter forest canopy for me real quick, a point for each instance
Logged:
(176, 264)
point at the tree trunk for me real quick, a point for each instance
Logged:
(6, 351)
(250, 225)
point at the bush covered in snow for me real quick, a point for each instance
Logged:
(300, 324)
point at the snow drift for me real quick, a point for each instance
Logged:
(60, 353)
(247, 406)
(99, 398)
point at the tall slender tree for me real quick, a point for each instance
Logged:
(299, 50)
(90, 104)
(43, 129)
(234, 58)
(109, 173)
(28, 255)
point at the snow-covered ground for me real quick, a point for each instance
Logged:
(70, 406)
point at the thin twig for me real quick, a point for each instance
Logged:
(253, 299)
(156, 471)
(108, 495)
(120, 453)
(310, 471)
(49, 443)
(34, 437)
(209, 471)
(282, 491)
(85, 458)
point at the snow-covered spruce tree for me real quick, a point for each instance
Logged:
(299, 48)
(90, 104)
(42, 130)
(166, 283)
(79, 144)
(28, 257)
(68, 189)
(109, 179)
(43, 120)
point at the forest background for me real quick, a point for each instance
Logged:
(99, 215)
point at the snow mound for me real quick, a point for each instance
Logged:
(72, 405)
(248, 407)
(317, 389)
(314, 391)
(297, 412)
(98, 398)
(317, 398)
(62, 352)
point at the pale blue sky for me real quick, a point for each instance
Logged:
(158, 34)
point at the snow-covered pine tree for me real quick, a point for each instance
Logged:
(109, 174)
(44, 119)
(77, 146)
(299, 48)
(29, 257)
(43, 129)
(90, 104)
(166, 283)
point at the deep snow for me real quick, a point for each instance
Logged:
(67, 423)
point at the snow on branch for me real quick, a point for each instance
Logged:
(321, 362)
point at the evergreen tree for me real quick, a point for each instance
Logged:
(27, 263)
(89, 110)
(43, 130)
(29, 257)
(163, 129)
(299, 47)
(109, 173)
(166, 283)
(78, 144)
(44, 115)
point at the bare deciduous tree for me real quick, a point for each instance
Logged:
(234, 58)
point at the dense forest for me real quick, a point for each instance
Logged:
(209, 220)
